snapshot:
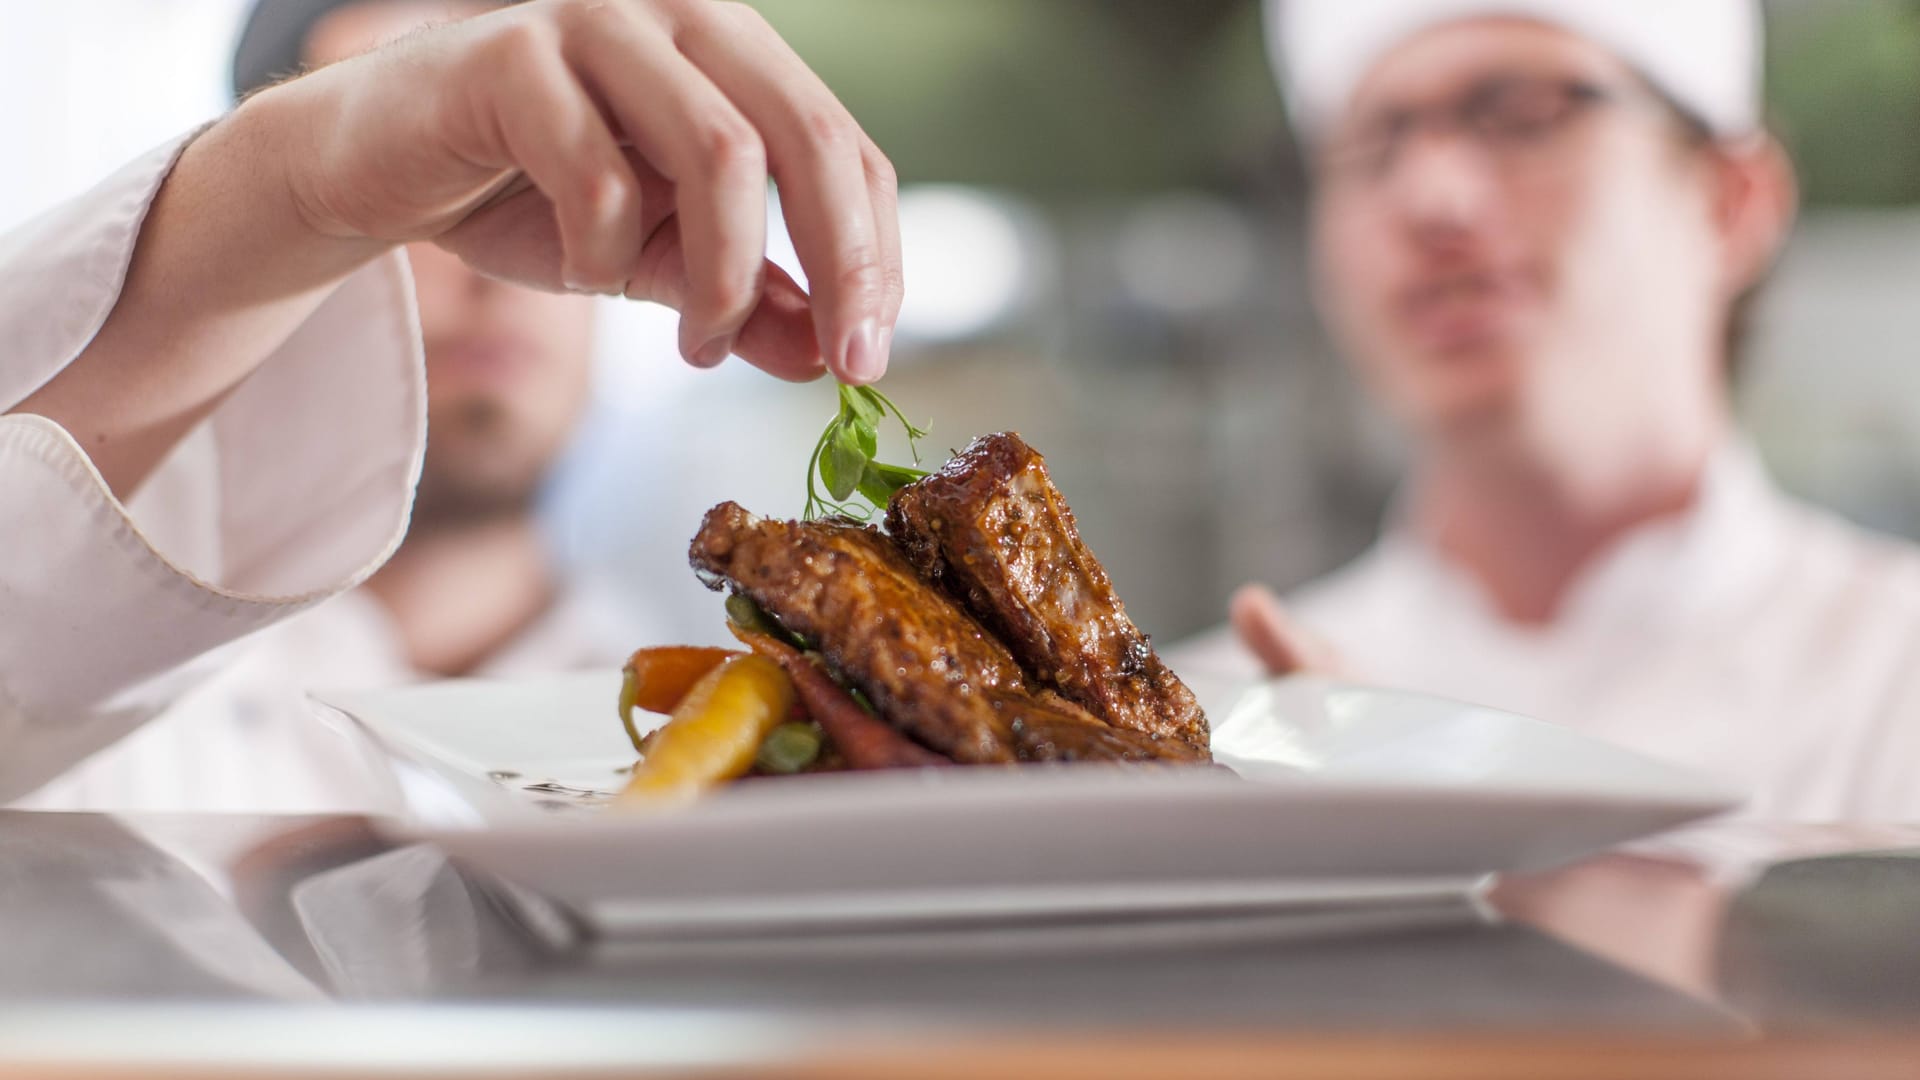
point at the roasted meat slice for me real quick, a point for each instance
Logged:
(928, 667)
(1048, 727)
(991, 527)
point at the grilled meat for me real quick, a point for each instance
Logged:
(994, 531)
(928, 667)
(863, 739)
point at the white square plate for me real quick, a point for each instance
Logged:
(1345, 796)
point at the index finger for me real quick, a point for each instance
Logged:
(817, 155)
(685, 125)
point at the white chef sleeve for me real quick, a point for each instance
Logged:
(297, 487)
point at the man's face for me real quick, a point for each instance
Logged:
(507, 367)
(1532, 254)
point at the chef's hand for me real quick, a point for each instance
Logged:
(616, 146)
(612, 145)
(1282, 645)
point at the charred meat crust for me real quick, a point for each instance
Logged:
(992, 529)
(929, 668)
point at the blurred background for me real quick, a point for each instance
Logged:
(1102, 216)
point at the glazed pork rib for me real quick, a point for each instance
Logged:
(929, 668)
(991, 527)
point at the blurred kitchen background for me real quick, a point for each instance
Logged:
(1102, 215)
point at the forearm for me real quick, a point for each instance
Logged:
(224, 270)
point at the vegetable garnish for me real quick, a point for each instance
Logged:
(747, 615)
(656, 679)
(789, 748)
(715, 732)
(843, 459)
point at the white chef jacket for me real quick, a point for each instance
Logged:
(296, 488)
(1752, 637)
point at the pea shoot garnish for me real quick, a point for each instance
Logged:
(843, 460)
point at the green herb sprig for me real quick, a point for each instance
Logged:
(843, 460)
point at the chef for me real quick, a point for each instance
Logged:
(212, 410)
(471, 591)
(1535, 226)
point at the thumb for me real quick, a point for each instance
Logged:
(1280, 643)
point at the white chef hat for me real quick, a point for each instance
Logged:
(1704, 54)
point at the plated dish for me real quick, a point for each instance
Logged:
(1344, 795)
(976, 628)
(952, 720)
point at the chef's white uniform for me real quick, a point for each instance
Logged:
(296, 488)
(1753, 637)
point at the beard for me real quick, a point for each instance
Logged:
(478, 467)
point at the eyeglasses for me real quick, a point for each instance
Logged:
(1512, 119)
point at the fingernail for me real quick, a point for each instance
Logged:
(865, 355)
(713, 353)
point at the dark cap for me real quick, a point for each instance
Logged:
(274, 37)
